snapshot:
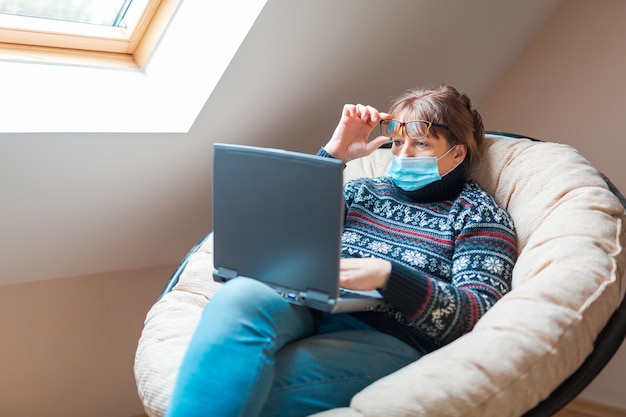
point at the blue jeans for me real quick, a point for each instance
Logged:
(255, 354)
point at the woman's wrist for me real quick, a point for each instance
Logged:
(333, 151)
(384, 273)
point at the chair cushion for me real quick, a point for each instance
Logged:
(565, 287)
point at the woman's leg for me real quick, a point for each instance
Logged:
(228, 368)
(326, 370)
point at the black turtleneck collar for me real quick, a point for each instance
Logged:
(447, 188)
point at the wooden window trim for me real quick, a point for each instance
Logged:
(43, 41)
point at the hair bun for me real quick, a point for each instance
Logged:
(479, 128)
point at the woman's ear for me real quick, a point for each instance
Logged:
(460, 151)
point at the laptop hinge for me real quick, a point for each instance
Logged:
(316, 299)
(222, 274)
(316, 295)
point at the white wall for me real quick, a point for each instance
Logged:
(569, 85)
(68, 345)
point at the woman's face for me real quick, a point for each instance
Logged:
(405, 147)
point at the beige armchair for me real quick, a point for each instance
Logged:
(566, 286)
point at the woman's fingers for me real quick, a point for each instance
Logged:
(367, 114)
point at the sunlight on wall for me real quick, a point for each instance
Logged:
(167, 97)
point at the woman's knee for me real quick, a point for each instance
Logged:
(243, 293)
(244, 303)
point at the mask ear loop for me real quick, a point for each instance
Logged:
(454, 167)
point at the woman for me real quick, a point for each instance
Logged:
(433, 243)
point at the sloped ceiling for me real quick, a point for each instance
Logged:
(303, 60)
(77, 204)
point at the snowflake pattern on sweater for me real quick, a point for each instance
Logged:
(451, 260)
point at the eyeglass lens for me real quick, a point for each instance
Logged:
(414, 129)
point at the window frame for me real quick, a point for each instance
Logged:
(27, 39)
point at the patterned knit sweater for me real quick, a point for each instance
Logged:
(451, 259)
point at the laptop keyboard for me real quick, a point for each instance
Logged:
(345, 293)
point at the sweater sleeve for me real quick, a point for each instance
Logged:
(322, 152)
(482, 266)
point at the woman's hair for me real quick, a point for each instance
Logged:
(444, 105)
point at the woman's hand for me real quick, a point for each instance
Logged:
(350, 139)
(363, 274)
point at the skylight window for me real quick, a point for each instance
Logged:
(95, 12)
(87, 32)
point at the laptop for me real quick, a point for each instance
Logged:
(277, 218)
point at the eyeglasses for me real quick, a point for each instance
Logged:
(415, 129)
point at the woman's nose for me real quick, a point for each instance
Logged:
(408, 149)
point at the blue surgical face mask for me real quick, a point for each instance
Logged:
(411, 174)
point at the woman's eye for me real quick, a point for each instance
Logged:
(420, 144)
(397, 143)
